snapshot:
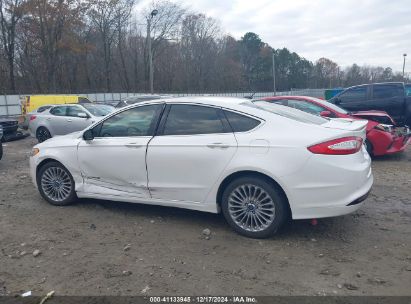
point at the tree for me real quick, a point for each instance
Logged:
(199, 49)
(250, 47)
(325, 72)
(49, 28)
(108, 17)
(11, 12)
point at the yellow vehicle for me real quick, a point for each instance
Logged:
(33, 102)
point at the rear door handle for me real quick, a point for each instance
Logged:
(134, 145)
(69, 120)
(218, 145)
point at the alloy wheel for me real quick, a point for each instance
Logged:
(251, 207)
(43, 135)
(56, 184)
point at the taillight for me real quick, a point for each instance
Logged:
(33, 117)
(340, 146)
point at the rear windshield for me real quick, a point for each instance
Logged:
(290, 113)
(98, 109)
(329, 105)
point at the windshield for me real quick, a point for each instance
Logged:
(408, 89)
(98, 110)
(290, 113)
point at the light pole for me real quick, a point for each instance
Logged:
(150, 53)
(274, 89)
(403, 67)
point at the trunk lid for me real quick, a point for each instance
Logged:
(355, 126)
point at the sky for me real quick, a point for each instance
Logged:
(366, 32)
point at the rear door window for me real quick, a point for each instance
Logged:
(75, 111)
(193, 119)
(381, 91)
(59, 111)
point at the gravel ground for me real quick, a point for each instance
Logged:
(107, 248)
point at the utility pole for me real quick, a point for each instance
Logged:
(403, 68)
(150, 53)
(274, 88)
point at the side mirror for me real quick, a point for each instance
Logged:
(88, 135)
(82, 115)
(337, 101)
(325, 113)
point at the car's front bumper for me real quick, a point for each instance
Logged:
(33, 169)
(389, 143)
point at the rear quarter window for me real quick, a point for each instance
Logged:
(241, 123)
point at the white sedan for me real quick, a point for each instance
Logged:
(257, 162)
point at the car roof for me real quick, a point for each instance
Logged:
(234, 103)
(243, 105)
(299, 97)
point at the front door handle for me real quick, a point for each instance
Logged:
(134, 145)
(69, 120)
(218, 145)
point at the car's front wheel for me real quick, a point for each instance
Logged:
(56, 185)
(254, 207)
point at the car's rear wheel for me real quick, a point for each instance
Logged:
(42, 134)
(254, 207)
(56, 185)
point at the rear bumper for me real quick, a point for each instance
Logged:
(330, 186)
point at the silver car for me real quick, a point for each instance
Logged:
(65, 119)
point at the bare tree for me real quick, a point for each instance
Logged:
(164, 26)
(11, 12)
(107, 17)
(199, 48)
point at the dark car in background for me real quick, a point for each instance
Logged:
(408, 89)
(10, 126)
(1, 145)
(391, 97)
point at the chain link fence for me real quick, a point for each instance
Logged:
(10, 105)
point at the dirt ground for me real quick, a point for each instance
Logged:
(83, 249)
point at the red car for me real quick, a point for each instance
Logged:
(383, 137)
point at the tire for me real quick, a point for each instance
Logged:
(42, 134)
(1, 150)
(270, 197)
(369, 147)
(56, 185)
